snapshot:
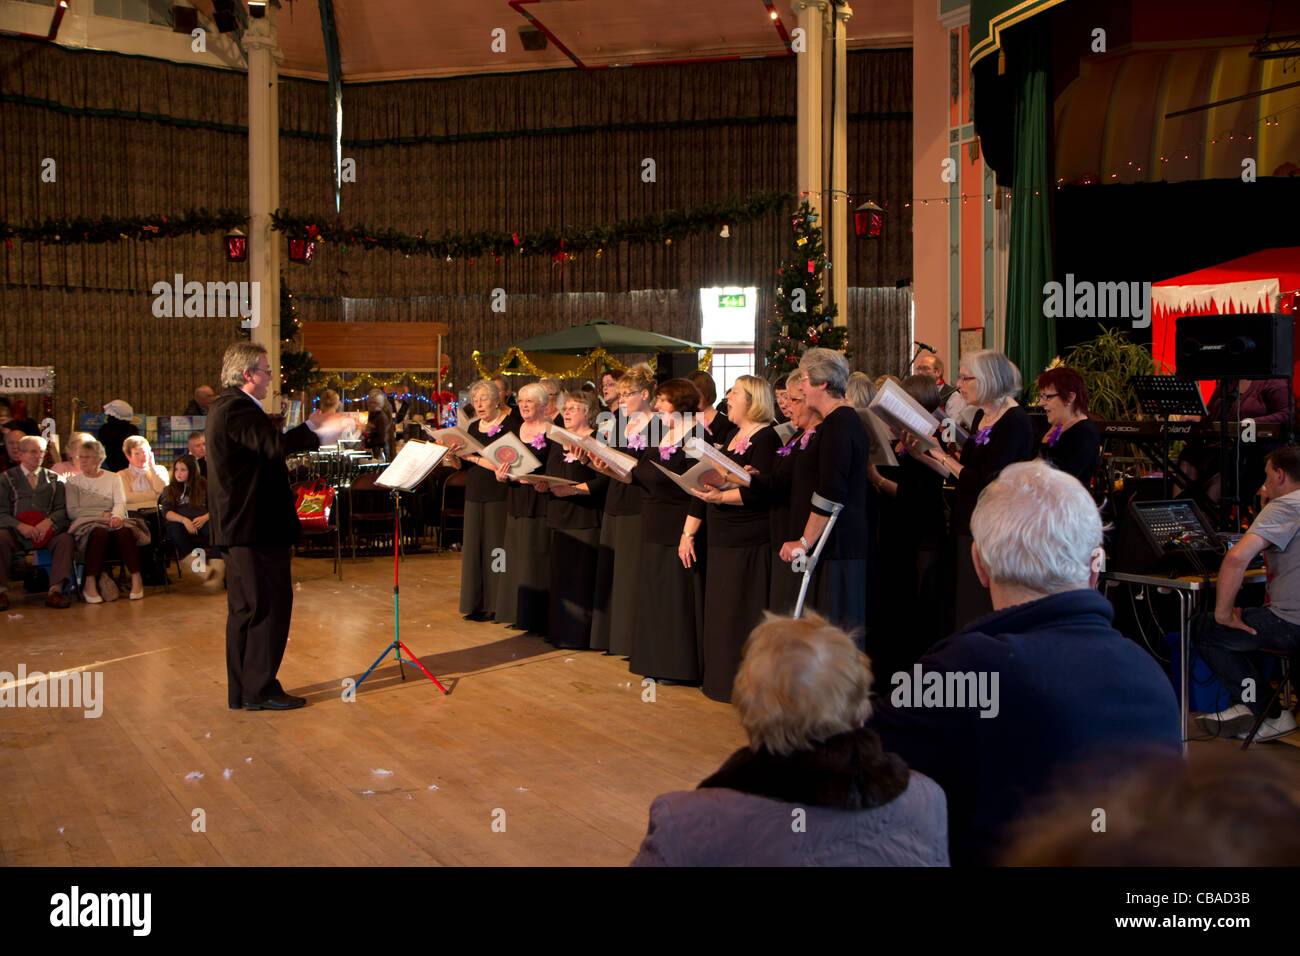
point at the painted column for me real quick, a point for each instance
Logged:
(836, 91)
(812, 21)
(264, 55)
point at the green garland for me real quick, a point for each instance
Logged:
(116, 228)
(559, 244)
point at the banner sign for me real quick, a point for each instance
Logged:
(16, 380)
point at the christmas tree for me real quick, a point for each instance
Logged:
(298, 370)
(801, 322)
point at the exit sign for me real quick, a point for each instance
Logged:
(731, 301)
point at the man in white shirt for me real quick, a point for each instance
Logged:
(1230, 642)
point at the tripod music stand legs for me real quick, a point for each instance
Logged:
(397, 646)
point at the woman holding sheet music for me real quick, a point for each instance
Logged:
(523, 594)
(789, 501)
(843, 454)
(485, 505)
(618, 563)
(1001, 434)
(574, 516)
(670, 599)
(740, 554)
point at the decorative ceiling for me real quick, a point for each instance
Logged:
(401, 39)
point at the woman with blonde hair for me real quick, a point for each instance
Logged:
(803, 697)
(740, 555)
(613, 621)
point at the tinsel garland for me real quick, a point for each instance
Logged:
(368, 380)
(515, 360)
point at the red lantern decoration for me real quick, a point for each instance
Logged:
(868, 220)
(236, 246)
(300, 250)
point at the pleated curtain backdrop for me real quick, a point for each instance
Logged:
(515, 153)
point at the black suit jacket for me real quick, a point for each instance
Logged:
(249, 500)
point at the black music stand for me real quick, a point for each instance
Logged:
(1166, 395)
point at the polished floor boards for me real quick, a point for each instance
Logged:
(536, 757)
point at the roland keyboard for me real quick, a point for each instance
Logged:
(1183, 430)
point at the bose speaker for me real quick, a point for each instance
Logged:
(1235, 346)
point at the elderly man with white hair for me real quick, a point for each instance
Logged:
(992, 712)
(33, 514)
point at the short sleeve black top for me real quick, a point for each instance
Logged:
(574, 511)
(745, 525)
(482, 484)
(1011, 439)
(624, 498)
(843, 453)
(665, 506)
(522, 500)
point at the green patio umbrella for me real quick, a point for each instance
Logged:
(603, 335)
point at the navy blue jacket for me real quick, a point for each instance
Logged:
(1070, 688)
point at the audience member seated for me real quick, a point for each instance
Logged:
(143, 479)
(1043, 682)
(69, 465)
(1230, 639)
(33, 514)
(6, 415)
(184, 504)
(1227, 810)
(21, 420)
(97, 509)
(116, 429)
(198, 447)
(203, 396)
(376, 439)
(9, 456)
(814, 787)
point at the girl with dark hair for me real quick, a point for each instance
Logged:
(184, 504)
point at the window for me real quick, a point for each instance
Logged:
(728, 365)
(727, 326)
(142, 11)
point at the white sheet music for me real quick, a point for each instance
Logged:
(902, 411)
(412, 465)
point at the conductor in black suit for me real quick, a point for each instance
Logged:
(254, 521)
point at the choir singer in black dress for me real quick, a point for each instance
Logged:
(523, 595)
(740, 554)
(843, 454)
(613, 621)
(485, 505)
(1001, 434)
(574, 517)
(1072, 442)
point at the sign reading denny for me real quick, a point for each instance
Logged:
(16, 380)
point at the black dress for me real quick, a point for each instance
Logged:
(1076, 451)
(1011, 439)
(523, 595)
(843, 453)
(670, 601)
(613, 625)
(740, 567)
(778, 487)
(575, 543)
(485, 527)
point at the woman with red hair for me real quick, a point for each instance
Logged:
(1072, 442)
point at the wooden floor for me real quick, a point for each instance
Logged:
(557, 747)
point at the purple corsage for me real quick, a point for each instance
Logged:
(785, 450)
(742, 446)
(1054, 436)
(982, 436)
(538, 442)
(636, 442)
(494, 430)
(667, 453)
(807, 437)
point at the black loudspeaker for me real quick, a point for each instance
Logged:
(223, 15)
(675, 365)
(1235, 346)
(184, 19)
(1167, 537)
